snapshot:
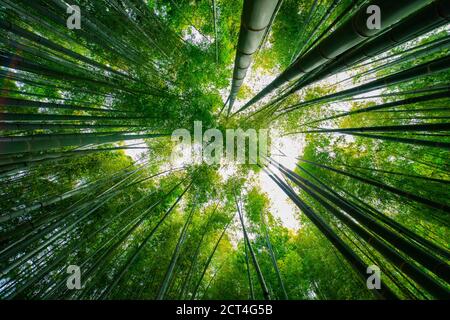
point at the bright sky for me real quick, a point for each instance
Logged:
(281, 206)
(135, 154)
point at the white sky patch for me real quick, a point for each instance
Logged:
(377, 92)
(184, 154)
(135, 154)
(281, 206)
(227, 169)
(193, 36)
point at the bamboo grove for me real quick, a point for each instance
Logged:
(85, 140)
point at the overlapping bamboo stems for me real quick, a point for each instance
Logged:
(261, 280)
(303, 43)
(432, 262)
(208, 261)
(194, 260)
(355, 30)
(434, 287)
(424, 127)
(352, 258)
(138, 250)
(47, 226)
(251, 290)
(403, 102)
(436, 46)
(105, 252)
(89, 186)
(424, 69)
(272, 256)
(94, 268)
(78, 245)
(424, 20)
(351, 7)
(395, 173)
(407, 195)
(312, 10)
(269, 109)
(50, 221)
(169, 273)
(58, 47)
(12, 165)
(376, 214)
(429, 17)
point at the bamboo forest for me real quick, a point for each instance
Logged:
(346, 199)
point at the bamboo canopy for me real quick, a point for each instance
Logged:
(90, 174)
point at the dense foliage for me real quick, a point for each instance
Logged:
(86, 176)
